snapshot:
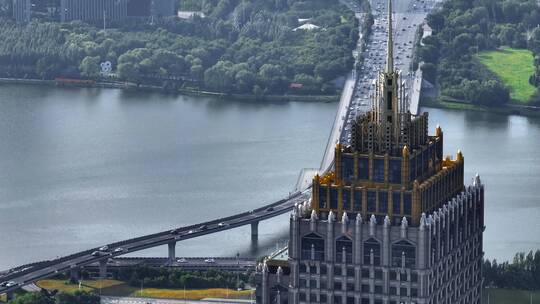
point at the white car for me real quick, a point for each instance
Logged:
(11, 284)
(104, 248)
(209, 261)
(120, 249)
(181, 260)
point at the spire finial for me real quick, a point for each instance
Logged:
(390, 47)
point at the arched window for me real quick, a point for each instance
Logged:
(313, 247)
(403, 255)
(372, 245)
(344, 249)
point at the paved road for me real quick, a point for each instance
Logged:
(188, 263)
(407, 16)
(128, 300)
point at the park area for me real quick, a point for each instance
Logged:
(121, 289)
(513, 67)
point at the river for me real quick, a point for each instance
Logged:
(84, 167)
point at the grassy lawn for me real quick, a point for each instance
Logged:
(119, 288)
(513, 67)
(510, 296)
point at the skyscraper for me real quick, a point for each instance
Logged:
(392, 222)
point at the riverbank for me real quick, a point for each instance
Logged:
(509, 109)
(189, 92)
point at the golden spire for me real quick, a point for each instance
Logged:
(438, 131)
(390, 47)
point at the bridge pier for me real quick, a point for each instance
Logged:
(103, 269)
(9, 296)
(172, 251)
(254, 230)
(74, 274)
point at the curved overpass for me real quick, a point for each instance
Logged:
(27, 274)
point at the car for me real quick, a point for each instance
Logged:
(203, 227)
(120, 249)
(3, 284)
(270, 209)
(222, 224)
(181, 260)
(190, 232)
(175, 231)
(104, 248)
(11, 284)
(98, 253)
(209, 261)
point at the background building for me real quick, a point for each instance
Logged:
(97, 10)
(22, 10)
(93, 10)
(392, 223)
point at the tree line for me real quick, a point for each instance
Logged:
(238, 46)
(461, 29)
(177, 278)
(522, 273)
(45, 297)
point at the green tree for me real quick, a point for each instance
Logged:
(90, 66)
(220, 77)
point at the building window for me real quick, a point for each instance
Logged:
(383, 202)
(396, 202)
(393, 291)
(348, 167)
(337, 299)
(363, 168)
(395, 171)
(403, 291)
(372, 248)
(302, 296)
(344, 250)
(323, 202)
(372, 201)
(337, 271)
(350, 286)
(346, 199)
(365, 300)
(313, 247)
(350, 300)
(403, 254)
(365, 288)
(323, 269)
(378, 289)
(407, 203)
(303, 283)
(322, 298)
(313, 283)
(333, 198)
(378, 170)
(365, 273)
(337, 285)
(350, 272)
(357, 200)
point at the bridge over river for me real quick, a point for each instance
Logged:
(27, 274)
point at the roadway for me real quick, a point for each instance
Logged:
(407, 16)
